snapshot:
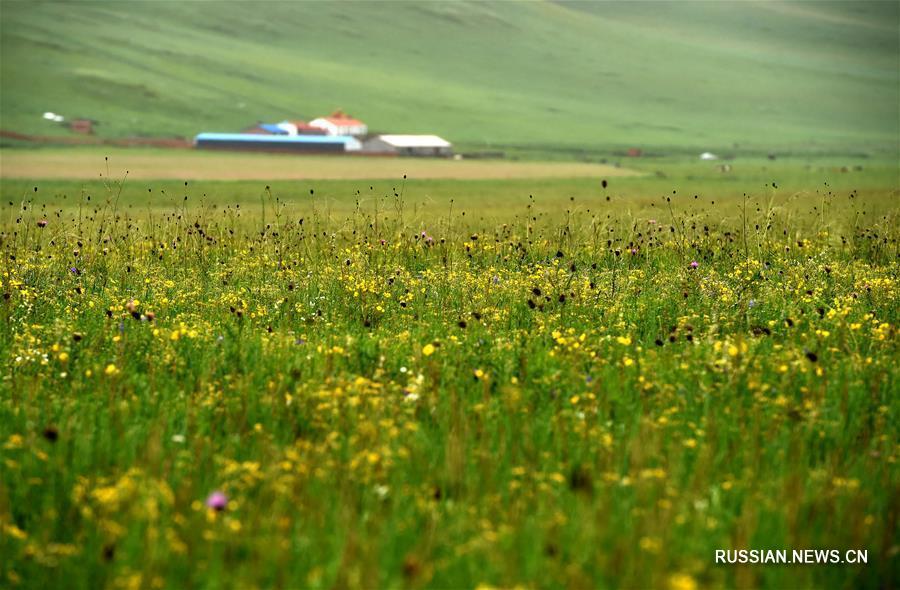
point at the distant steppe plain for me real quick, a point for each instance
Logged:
(195, 165)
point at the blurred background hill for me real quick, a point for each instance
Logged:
(542, 77)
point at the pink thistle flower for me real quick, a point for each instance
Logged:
(217, 501)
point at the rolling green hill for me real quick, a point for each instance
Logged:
(544, 76)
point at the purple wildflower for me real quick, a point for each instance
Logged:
(217, 501)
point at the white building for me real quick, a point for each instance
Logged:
(409, 145)
(339, 123)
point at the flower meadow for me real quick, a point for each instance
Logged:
(597, 397)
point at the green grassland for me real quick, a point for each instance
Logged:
(798, 183)
(394, 390)
(542, 77)
(579, 376)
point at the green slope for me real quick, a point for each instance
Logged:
(543, 75)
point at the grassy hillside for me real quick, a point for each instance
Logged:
(547, 76)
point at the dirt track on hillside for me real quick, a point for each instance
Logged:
(191, 165)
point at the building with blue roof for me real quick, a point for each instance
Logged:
(273, 129)
(277, 143)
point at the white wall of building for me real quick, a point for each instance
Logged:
(333, 128)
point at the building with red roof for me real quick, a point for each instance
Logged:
(340, 123)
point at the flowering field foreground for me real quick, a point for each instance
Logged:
(203, 399)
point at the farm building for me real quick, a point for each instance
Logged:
(277, 143)
(409, 145)
(340, 123)
(285, 128)
(83, 126)
(265, 129)
(302, 128)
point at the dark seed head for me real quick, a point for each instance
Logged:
(580, 480)
(411, 567)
